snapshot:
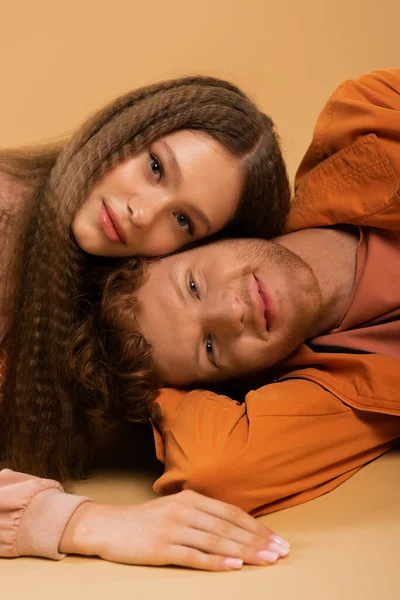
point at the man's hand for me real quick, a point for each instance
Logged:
(185, 529)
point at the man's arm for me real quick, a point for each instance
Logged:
(368, 104)
(351, 170)
(288, 443)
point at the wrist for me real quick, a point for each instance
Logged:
(81, 532)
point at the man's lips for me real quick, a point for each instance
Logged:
(259, 307)
(263, 305)
(111, 225)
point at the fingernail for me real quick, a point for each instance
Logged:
(233, 563)
(267, 556)
(279, 549)
(281, 541)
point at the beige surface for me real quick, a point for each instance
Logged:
(344, 546)
(61, 60)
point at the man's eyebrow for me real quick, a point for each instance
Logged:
(173, 277)
(175, 168)
(196, 357)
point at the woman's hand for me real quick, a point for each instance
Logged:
(185, 529)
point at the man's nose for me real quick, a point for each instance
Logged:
(226, 313)
(144, 211)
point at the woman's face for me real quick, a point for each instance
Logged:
(184, 187)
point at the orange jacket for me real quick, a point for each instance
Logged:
(327, 414)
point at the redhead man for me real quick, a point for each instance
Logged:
(323, 303)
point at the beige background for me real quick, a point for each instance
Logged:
(62, 59)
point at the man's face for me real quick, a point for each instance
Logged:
(226, 309)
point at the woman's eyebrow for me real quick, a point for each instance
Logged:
(201, 215)
(173, 163)
(177, 173)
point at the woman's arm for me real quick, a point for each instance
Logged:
(185, 529)
(37, 518)
(33, 515)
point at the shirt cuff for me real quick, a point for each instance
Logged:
(44, 521)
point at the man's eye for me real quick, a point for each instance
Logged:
(156, 166)
(184, 223)
(209, 349)
(193, 287)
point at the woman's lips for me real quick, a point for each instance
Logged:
(111, 225)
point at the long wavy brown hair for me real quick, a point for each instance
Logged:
(47, 407)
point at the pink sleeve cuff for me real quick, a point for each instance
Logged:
(33, 515)
(43, 523)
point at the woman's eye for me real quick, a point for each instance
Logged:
(156, 166)
(209, 349)
(184, 223)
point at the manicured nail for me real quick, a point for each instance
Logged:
(233, 563)
(281, 541)
(267, 556)
(279, 549)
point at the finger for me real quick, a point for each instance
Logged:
(196, 559)
(221, 546)
(234, 515)
(193, 519)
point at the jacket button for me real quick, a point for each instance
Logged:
(155, 412)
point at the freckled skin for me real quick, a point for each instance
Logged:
(239, 306)
(223, 274)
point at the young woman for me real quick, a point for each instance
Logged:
(159, 168)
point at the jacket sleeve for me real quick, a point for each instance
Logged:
(33, 515)
(368, 104)
(288, 443)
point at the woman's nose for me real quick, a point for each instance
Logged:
(227, 313)
(143, 213)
